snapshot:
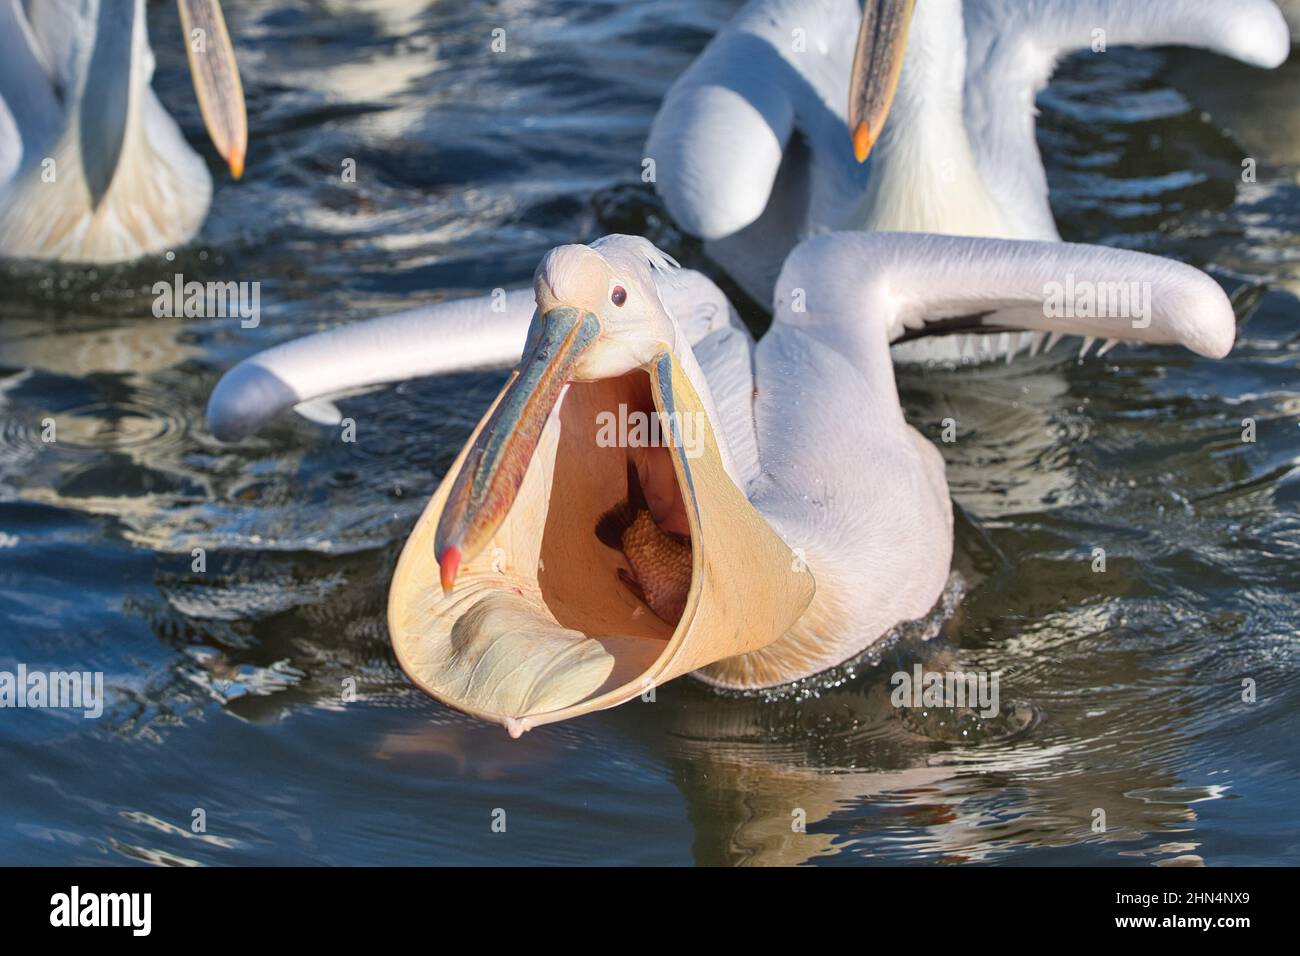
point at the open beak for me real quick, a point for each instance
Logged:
(489, 479)
(877, 65)
(550, 617)
(216, 79)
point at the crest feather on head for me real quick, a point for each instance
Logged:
(634, 253)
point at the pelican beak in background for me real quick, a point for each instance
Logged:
(877, 65)
(492, 472)
(216, 79)
(106, 97)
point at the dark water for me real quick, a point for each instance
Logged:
(225, 686)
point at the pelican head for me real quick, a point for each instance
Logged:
(120, 63)
(877, 65)
(569, 562)
(598, 317)
(216, 79)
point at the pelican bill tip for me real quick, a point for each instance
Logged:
(862, 142)
(448, 566)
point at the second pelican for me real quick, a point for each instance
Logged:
(92, 168)
(754, 151)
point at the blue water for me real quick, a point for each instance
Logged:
(225, 687)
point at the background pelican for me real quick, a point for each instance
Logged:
(1260, 114)
(807, 425)
(753, 151)
(92, 168)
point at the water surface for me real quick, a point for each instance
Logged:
(225, 687)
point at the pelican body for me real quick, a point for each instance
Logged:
(92, 168)
(809, 518)
(754, 151)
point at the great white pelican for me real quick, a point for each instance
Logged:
(767, 513)
(754, 145)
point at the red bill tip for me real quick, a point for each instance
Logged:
(449, 564)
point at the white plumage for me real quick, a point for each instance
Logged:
(752, 149)
(76, 104)
(809, 416)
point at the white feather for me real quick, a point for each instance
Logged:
(811, 415)
(752, 149)
(161, 190)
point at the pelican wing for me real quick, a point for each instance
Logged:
(1013, 48)
(478, 333)
(846, 481)
(751, 146)
(484, 332)
(721, 131)
(921, 285)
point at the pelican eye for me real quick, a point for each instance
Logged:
(618, 295)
